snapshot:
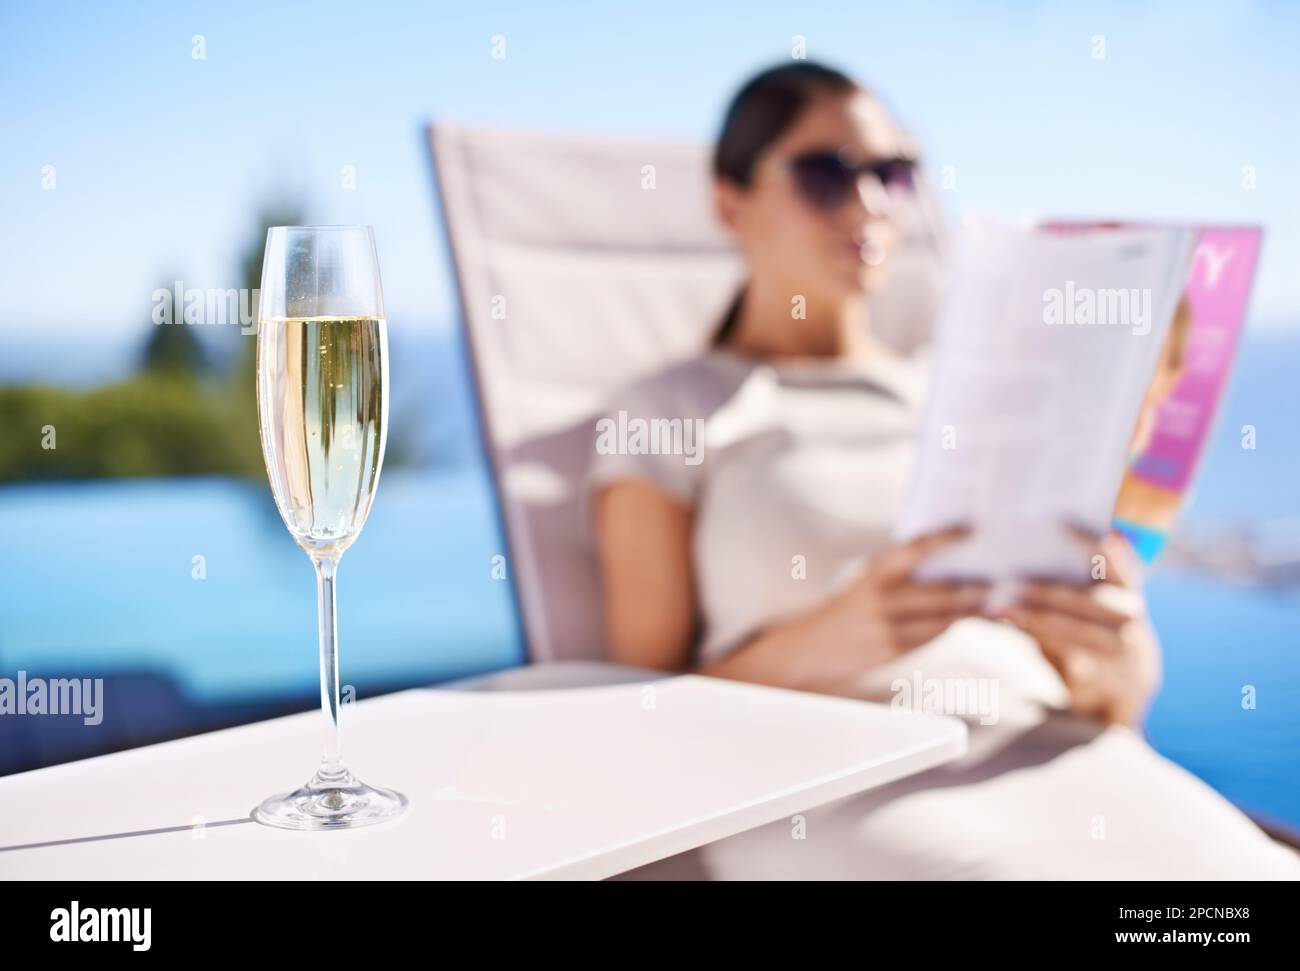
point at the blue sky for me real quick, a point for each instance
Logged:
(162, 160)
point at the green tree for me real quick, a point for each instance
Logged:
(173, 347)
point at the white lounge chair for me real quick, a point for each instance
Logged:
(583, 264)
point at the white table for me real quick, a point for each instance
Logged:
(564, 783)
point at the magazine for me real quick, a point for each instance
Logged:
(1077, 371)
(1163, 466)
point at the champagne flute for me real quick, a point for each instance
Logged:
(322, 401)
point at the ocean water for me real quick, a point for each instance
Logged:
(97, 578)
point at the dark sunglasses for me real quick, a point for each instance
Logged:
(827, 180)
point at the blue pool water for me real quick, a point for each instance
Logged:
(1217, 641)
(100, 575)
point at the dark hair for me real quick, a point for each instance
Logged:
(760, 113)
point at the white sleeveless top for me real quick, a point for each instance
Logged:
(804, 470)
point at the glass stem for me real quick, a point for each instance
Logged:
(331, 766)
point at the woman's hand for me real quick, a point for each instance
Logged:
(1096, 634)
(881, 615)
(892, 613)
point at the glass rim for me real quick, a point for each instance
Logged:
(338, 226)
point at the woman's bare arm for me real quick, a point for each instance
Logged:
(644, 537)
(652, 615)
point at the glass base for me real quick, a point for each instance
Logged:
(337, 801)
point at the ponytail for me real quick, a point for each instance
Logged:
(730, 320)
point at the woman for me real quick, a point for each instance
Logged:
(770, 561)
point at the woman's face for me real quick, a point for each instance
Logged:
(827, 255)
(1169, 371)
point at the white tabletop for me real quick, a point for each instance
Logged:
(571, 783)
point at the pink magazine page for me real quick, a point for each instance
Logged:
(1178, 414)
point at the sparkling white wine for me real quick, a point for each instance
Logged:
(321, 383)
(322, 401)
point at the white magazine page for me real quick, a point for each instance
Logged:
(1045, 349)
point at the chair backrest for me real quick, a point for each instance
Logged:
(582, 265)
